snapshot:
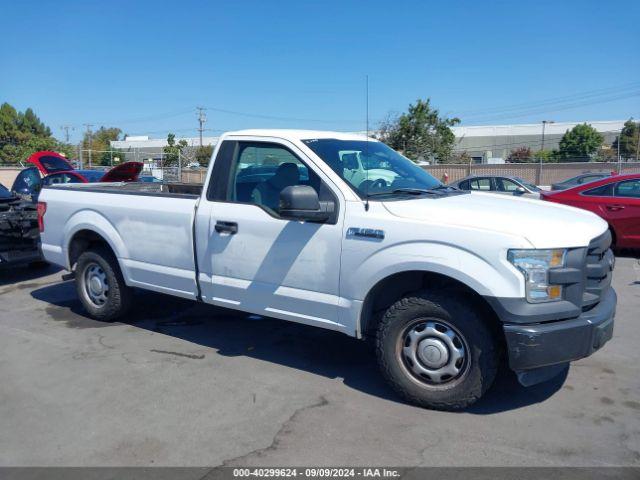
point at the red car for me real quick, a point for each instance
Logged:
(616, 199)
(51, 168)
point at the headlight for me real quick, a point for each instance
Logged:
(535, 265)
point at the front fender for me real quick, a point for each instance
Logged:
(487, 278)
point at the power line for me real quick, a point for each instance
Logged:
(552, 100)
(273, 117)
(149, 118)
(568, 102)
(538, 111)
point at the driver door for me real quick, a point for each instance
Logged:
(257, 261)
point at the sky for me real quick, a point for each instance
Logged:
(144, 66)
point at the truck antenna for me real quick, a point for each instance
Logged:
(366, 148)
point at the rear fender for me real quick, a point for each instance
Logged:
(97, 223)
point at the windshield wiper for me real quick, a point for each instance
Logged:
(408, 191)
(442, 186)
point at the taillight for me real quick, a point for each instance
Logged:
(42, 209)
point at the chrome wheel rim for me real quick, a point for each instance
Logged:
(434, 352)
(96, 285)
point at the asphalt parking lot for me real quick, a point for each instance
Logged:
(186, 384)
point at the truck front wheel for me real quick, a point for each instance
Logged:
(100, 285)
(436, 351)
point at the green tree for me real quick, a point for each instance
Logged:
(461, 157)
(421, 133)
(31, 123)
(173, 151)
(629, 139)
(98, 143)
(203, 154)
(22, 134)
(547, 156)
(579, 143)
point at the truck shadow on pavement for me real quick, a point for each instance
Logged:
(230, 333)
(9, 275)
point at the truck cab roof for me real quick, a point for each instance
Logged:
(292, 134)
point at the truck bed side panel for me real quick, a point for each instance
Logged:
(150, 235)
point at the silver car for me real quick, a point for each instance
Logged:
(503, 184)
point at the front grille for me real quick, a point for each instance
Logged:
(598, 270)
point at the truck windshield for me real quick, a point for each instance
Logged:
(371, 167)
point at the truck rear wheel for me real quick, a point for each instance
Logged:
(436, 351)
(100, 285)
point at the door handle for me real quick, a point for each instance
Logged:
(229, 227)
(614, 208)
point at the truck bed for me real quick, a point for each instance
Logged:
(187, 190)
(148, 225)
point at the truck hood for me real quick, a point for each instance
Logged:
(544, 225)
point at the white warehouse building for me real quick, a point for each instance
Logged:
(492, 143)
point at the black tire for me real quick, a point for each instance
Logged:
(118, 297)
(477, 368)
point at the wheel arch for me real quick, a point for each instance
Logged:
(391, 288)
(83, 240)
(88, 227)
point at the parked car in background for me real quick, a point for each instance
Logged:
(6, 195)
(615, 198)
(149, 179)
(52, 168)
(19, 235)
(502, 184)
(579, 180)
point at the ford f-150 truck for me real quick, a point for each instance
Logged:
(446, 283)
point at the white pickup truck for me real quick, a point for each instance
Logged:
(447, 283)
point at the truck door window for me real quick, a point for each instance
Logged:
(260, 171)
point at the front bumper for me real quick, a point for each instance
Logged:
(531, 347)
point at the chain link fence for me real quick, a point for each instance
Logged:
(538, 173)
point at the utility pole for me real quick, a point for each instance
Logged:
(619, 157)
(66, 129)
(544, 124)
(202, 118)
(90, 136)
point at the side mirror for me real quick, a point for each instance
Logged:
(520, 191)
(301, 202)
